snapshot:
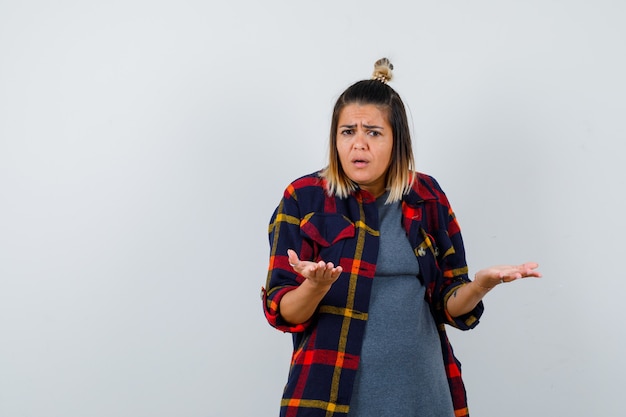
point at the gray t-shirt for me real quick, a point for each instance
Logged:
(401, 372)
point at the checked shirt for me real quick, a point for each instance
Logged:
(345, 231)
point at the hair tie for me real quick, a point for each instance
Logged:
(383, 71)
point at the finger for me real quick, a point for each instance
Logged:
(529, 269)
(511, 274)
(520, 271)
(293, 258)
(526, 269)
(337, 271)
(325, 270)
(534, 273)
(330, 271)
(317, 269)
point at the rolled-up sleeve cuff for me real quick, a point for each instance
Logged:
(465, 321)
(271, 304)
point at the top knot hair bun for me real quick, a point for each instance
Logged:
(382, 71)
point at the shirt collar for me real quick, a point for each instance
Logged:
(420, 193)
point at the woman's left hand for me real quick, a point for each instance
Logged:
(490, 277)
(467, 297)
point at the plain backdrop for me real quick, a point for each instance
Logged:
(145, 144)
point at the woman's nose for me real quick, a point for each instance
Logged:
(360, 142)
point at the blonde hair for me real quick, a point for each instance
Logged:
(383, 71)
(401, 172)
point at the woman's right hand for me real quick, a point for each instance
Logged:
(299, 305)
(320, 274)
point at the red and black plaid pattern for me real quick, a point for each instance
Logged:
(345, 231)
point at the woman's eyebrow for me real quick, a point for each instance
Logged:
(365, 126)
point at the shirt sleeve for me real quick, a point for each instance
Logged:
(284, 234)
(452, 264)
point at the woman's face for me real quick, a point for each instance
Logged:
(364, 145)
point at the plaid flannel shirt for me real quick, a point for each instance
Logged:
(346, 232)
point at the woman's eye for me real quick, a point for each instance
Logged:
(374, 133)
(346, 132)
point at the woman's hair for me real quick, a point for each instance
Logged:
(400, 174)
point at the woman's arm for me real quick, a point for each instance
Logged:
(297, 306)
(467, 296)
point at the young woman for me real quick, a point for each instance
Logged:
(366, 267)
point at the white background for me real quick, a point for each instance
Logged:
(145, 144)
